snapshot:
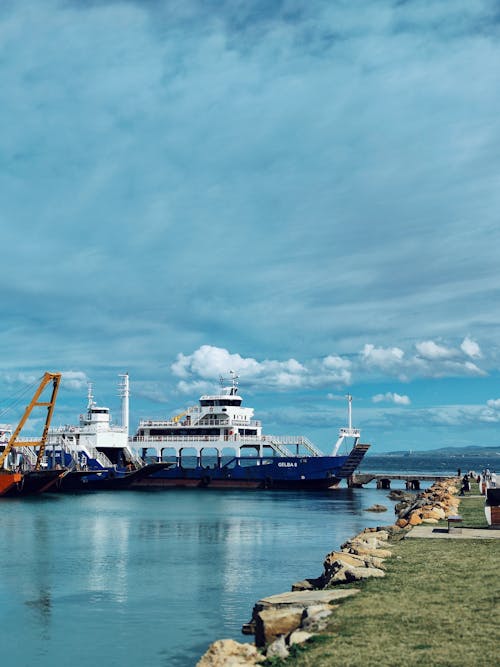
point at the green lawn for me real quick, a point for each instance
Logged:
(438, 605)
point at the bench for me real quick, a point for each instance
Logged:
(454, 523)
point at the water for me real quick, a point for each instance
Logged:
(153, 578)
(435, 465)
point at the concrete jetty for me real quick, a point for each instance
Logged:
(412, 480)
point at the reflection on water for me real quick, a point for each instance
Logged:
(153, 577)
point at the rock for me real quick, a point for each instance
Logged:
(348, 559)
(299, 637)
(365, 551)
(376, 508)
(283, 613)
(307, 585)
(401, 523)
(301, 599)
(430, 521)
(317, 612)
(278, 649)
(415, 519)
(271, 623)
(228, 653)
(314, 617)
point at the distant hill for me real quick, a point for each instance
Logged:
(471, 450)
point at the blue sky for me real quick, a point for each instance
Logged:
(305, 192)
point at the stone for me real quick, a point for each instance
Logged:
(306, 585)
(271, 623)
(299, 637)
(301, 599)
(366, 551)
(401, 523)
(376, 508)
(415, 519)
(344, 557)
(278, 649)
(228, 653)
(430, 521)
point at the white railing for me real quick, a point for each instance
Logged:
(29, 454)
(205, 421)
(134, 457)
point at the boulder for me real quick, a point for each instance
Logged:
(271, 623)
(306, 585)
(415, 519)
(301, 599)
(314, 617)
(278, 649)
(376, 508)
(228, 653)
(299, 637)
(345, 574)
(362, 550)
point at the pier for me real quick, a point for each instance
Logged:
(383, 480)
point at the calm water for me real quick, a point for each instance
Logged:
(151, 578)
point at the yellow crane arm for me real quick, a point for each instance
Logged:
(55, 378)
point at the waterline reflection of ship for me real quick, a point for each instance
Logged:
(220, 424)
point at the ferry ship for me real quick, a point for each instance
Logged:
(96, 453)
(198, 441)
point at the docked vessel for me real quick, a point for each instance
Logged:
(21, 462)
(218, 444)
(95, 452)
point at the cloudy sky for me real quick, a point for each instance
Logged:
(306, 192)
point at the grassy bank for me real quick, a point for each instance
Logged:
(438, 605)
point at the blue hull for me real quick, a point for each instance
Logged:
(308, 472)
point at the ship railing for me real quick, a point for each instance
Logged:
(94, 453)
(311, 447)
(29, 454)
(206, 421)
(134, 458)
(269, 440)
(278, 446)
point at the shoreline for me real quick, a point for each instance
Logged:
(292, 624)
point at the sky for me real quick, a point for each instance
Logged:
(304, 192)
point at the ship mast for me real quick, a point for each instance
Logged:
(348, 432)
(124, 395)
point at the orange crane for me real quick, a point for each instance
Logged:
(55, 379)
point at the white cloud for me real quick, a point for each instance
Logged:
(206, 364)
(494, 403)
(471, 348)
(209, 363)
(382, 357)
(391, 397)
(430, 350)
(74, 380)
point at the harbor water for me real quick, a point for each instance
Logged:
(152, 578)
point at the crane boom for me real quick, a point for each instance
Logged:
(55, 378)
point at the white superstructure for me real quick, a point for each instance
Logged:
(218, 426)
(95, 437)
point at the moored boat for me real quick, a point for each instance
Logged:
(95, 452)
(218, 444)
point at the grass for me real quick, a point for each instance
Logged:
(438, 605)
